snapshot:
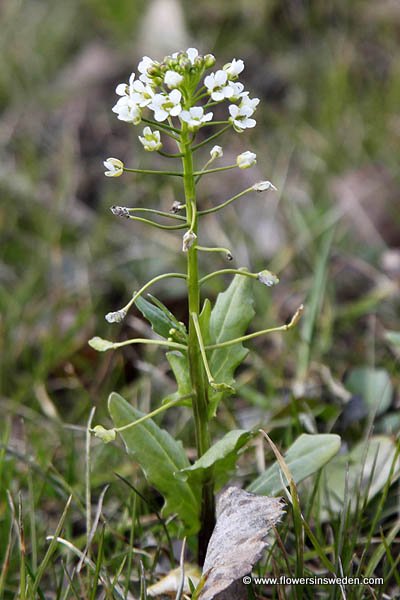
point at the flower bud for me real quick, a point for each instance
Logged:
(209, 61)
(114, 166)
(246, 160)
(151, 140)
(263, 186)
(216, 152)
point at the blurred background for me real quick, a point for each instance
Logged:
(327, 135)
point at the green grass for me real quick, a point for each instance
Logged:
(329, 78)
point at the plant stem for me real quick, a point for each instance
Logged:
(197, 375)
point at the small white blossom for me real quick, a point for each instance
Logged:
(237, 90)
(141, 94)
(240, 118)
(172, 79)
(145, 64)
(234, 68)
(263, 186)
(192, 54)
(246, 160)
(151, 140)
(127, 110)
(188, 240)
(116, 317)
(246, 102)
(195, 117)
(216, 152)
(114, 166)
(267, 278)
(124, 89)
(216, 84)
(165, 105)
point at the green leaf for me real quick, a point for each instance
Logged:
(304, 457)
(229, 319)
(373, 385)
(180, 367)
(204, 321)
(371, 457)
(160, 456)
(220, 458)
(100, 344)
(161, 319)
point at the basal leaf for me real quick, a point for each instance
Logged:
(304, 457)
(373, 385)
(229, 319)
(367, 469)
(160, 456)
(220, 458)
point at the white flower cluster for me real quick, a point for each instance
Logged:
(171, 89)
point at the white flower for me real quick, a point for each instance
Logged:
(114, 166)
(216, 152)
(151, 140)
(188, 240)
(172, 79)
(246, 160)
(234, 68)
(127, 110)
(263, 186)
(145, 64)
(195, 117)
(240, 117)
(237, 90)
(192, 54)
(216, 84)
(165, 105)
(267, 278)
(124, 89)
(141, 94)
(246, 102)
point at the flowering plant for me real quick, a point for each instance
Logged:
(174, 99)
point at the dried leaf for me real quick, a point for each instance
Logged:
(244, 522)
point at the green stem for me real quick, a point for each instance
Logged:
(212, 137)
(230, 271)
(136, 295)
(153, 413)
(152, 172)
(165, 343)
(157, 225)
(160, 213)
(217, 170)
(294, 320)
(223, 204)
(197, 375)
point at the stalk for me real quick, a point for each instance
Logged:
(197, 375)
